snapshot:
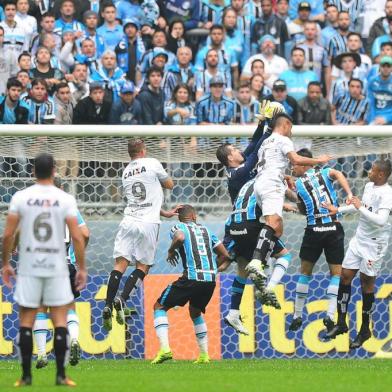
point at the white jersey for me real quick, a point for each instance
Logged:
(42, 210)
(272, 155)
(374, 198)
(141, 181)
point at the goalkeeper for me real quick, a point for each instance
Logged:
(240, 166)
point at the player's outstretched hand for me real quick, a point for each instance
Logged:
(8, 272)
(81, 279)
(331, 208)
(349, 198)
(172, 257)
(264, 104)
(172, 212)
(325, 158)
(356, 202)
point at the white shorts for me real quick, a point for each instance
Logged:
(366, 259)
(34, 291)
(270, 195)
(136, 241)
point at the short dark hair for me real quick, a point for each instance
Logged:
(185, 211)
(154, 69)
(159, 31)
(297, 48)
(38, 81)
(276, 121)
(22, 71)
(135, 145)
(389, 43)
(186, 87)
(216, 27)
(23, 54)
(385, 166)
(354, 33)
(107, 5)
(305, 152)
(67, 1)
(344, 12)
(355, 80)
(222, 152)
(13, 82)
(60, 86)
(331, 5)
(43, 166)
(314, 83)
(49, 14)
(2, 28)
(9, 2)
(257, 61)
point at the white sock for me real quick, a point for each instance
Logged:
(234, 313)
(161, 325)
(201, 334)
(280, 269)
(301, 292)
(332, 294)
(73, 325)
(40, 331)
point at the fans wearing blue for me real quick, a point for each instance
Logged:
(298, 78)
(180, 110)
(67, 20)
(127, 110)
(12, 109)
(376, 47)
(331, 27)
(323, 233)
(234, 38)
(215, 108)
(386, 50)
(90, 19)
(195, 245)
(279, 94)
(356, 10)
(380, 94)
(128, 9)
(211, 12)
(186, 10)
(110, 31)
(338, 43)
(317, 10)
(246, 107)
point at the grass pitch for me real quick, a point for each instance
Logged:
(226, 376)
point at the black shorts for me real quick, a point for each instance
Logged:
(183, 290)
(72, 274)
(245, 237)
(328, 238)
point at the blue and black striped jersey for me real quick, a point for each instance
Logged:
(197, 251)
(314, 188)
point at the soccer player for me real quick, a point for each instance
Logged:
(197, 283)
(244, 227)
(274, 156)
(41, 329)
(323, 233)
(366, 249)
(137, 237)
(41, 211)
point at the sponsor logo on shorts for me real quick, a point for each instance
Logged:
(238, 232)
(321, 229)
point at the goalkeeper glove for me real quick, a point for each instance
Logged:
(263, 107)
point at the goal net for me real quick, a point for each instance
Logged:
(90, 163)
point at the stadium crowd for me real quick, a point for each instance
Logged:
(194, 61)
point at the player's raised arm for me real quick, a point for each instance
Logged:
(296, 159)
(342, 180)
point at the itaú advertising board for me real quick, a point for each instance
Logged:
(269, 337)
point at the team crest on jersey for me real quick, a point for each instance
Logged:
(186, 5)
(43, 202)
(223, 112)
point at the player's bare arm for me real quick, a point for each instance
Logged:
(8, 241)
(296, 159)
(342, 180)
(168, 183)
(223, 257)
(170, 213)
(178, 240)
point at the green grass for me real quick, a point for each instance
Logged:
(229, 376)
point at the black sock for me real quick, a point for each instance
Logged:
(237, 291)
(26, 350)
(60, 348)
(344, 295)
(265, 244)
(367, 309)
(133, 280)
(114, 282)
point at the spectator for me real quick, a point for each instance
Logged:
(48, 41)
(24, 78)
(316, 56)
(282, 10)
(233, 36)
(246, 106)
(47, 27)
(8, 66)
(258, 89)
(183, 70)
(127, 110)
(130, 50)
(42, 108)
(331, 27)
(92, 109)
(317, 10)
(297, 78)
(204, 77)
(68, 51)
(347, 63)
(279, 94)
(227, 58)
(151, 98)
(150, 12)
(211, 12)
(215, 108)
(314, 109)
(274, 65)
(355, 9)
(110, 76)
(88, 55)
(78, 84)
(81, 6)
(380, 94)
(14, 35)
(380, 27)
(373, 10)
(44, 70)
(90, 19)
(351, 107)
(386, 50)
(180, 110)
(26, 21)
(296, 27)
(188, 11)
(338, 43)
(67, 18)
(269, 24)
(12, 109)
(257, 67)
(64, 107)
(128, 9)
(176, 36)
(24, 61)
(254, 8)
(379, 40)
(159, 42)
(111, 32)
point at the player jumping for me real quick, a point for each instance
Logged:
(366, 249)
